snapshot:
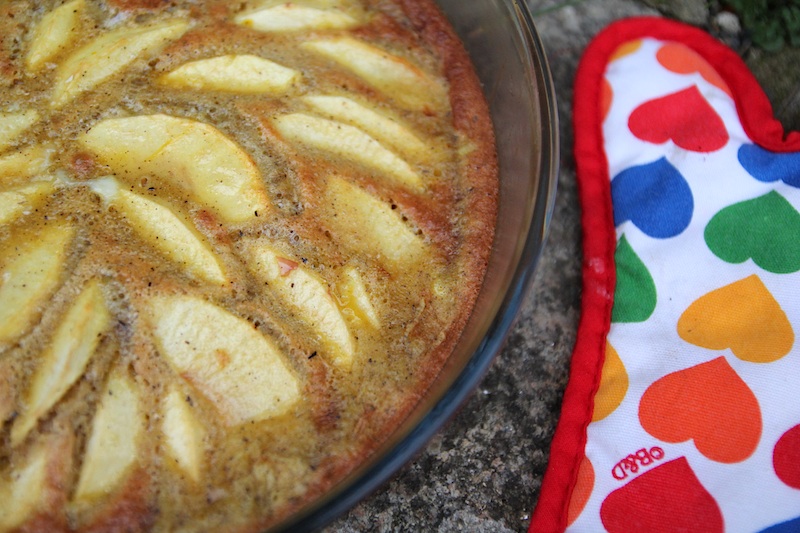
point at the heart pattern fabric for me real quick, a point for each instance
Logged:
(684, 117)
(655, 197)
(763, 229)
(657, 500)
(682, 410)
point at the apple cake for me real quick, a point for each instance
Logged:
(238, 241)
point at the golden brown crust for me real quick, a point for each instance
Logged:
(130, 509)
(134, 5)
(472, 118)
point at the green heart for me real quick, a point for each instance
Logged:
(635, 295)
(765, 229)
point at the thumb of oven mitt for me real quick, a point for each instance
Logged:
(682, 412)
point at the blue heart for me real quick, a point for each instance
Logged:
(790, 526)
(769, 166)
(655, 197)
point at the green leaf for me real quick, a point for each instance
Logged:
(771, 24)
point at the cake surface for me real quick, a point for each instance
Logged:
(238, 241)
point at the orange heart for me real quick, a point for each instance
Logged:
(606, 96)
(584, 484)
(681, 59)
(613, 385)
(742, 316)
(708, 403)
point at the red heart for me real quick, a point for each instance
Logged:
(786, 457)
(709, 403)
(665, 499)
(684, 117)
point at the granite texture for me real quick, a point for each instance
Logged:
(483, 471)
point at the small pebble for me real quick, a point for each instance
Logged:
(728, 23)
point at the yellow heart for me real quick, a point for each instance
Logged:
(613, 385)
(742, 316)
(625, 49)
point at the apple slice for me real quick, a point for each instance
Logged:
(388, 131)
(30, 274)
(113, 446)
(191, 155)
(23, 494)
(308, 296)
(32, 485)
(164, 230)
(184, 434)
(392, 75)
(348, 142)
(293, 16)
(65, 359)
(371, 226)
(354, 295)
(108, 55)
(25, 163)
(55, 31)
(18, 200)
(238, 369)
(12, 125)
(247, 74)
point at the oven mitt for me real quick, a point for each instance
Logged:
(682, 412)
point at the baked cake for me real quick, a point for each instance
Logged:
(238, 240)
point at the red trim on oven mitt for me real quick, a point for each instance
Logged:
(681, 412)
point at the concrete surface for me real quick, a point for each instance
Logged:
(483, 472)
